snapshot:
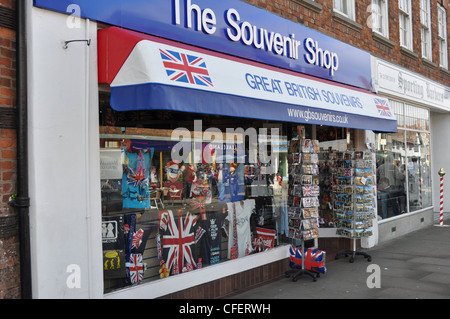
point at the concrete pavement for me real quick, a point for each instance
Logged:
(415, 266)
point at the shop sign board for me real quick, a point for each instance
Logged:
(167, 75)
(405, 84)
(232, 27)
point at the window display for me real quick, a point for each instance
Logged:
(163, 217)
(218, 199)
(404, 163)
(419, 170)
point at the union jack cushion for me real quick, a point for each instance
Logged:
(314, 261)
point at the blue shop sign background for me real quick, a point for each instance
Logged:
(156, 17)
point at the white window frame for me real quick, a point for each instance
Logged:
(345, 7)
(425, 27)
(442, 37)
(380, 17)
(405, 22)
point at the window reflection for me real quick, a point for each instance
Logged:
(419, 177)
(404, 163)
(391, 176)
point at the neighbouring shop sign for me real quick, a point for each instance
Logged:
(232, 27)
(146, 72)
(405, 84)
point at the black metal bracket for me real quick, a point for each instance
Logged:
(66, 43)
(20, 202)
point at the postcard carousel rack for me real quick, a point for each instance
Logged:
(303, 200)
(353, 197)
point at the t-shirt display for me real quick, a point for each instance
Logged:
(178, 238)
(239, 239)
(113, 247)
(135, 181)
(177, 216)
(210, 229)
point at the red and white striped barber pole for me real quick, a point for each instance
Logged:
(420, 192)
(441, 219)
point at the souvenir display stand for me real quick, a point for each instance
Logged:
(353, 197)
(303, 200)
(353, 253)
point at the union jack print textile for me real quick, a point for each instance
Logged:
(178, 241)
(135, 267)
(383, 107)
(137, 239)
(314, 261)
(186, 68)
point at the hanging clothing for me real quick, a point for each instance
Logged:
(210, 242)
(239, 227)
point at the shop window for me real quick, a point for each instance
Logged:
(391, 175)
(416, 118)
(404, 163)
(173, 204)
(419, 170)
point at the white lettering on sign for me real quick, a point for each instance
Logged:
(205, 20)
(323, 58)
(261, 38)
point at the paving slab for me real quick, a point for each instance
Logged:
(415, 266)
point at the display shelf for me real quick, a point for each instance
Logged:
(303, 197)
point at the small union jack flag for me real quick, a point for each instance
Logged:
(185, 68)
(136, 268)
(383, 107)
(137, 239)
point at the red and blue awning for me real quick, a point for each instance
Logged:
(150, 73)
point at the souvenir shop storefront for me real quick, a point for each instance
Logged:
(217, 150)
(408, 161)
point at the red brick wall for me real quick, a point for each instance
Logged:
(9, 240)
(361, 35)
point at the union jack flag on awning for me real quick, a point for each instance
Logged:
(186, 68)
(383, 107)
(150, 73)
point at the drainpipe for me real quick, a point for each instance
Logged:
(22, 201)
